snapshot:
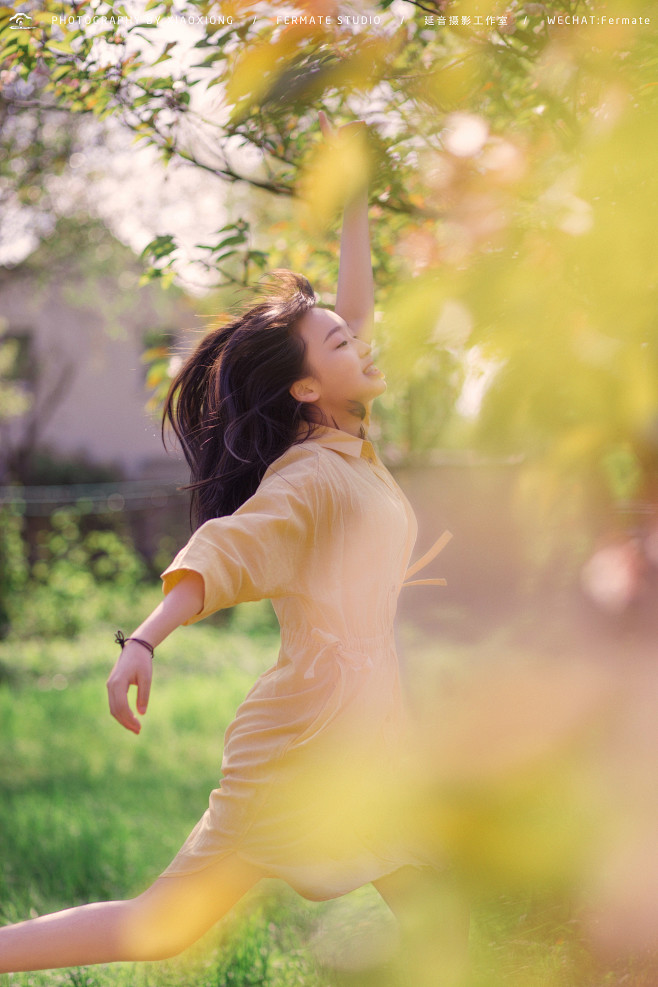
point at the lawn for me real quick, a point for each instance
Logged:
(90, 812)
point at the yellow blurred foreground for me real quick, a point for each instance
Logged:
(536, 776)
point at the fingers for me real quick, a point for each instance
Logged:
(329, 132)
(123, 675)
(353, 127)
(325, 126)
(143, 691)
(119, 708)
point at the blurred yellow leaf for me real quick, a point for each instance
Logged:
(252, 76)
(448, 85)
(365, 66)
(155, 353)
(336, 171)
(410, 318)
(42, 17)
(577, 446)
(639, 381)
(155, 375)
(511, 792)
(258, 67)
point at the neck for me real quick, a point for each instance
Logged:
(350, 419)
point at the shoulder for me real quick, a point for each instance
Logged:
(300, 461)
(309, 473)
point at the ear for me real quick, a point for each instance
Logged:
(306, 389)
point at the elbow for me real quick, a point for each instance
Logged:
(187, 597)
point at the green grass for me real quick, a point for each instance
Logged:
(118, 806)
(88, 811)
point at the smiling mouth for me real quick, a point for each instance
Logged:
(372, 371)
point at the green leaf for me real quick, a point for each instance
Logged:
(165, 53)
(63, 46)
(156, 82)
(231, 240)
(209, 60)
(137, 35)
(159, 247)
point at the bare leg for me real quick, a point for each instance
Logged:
(167, 918)
(434, 919)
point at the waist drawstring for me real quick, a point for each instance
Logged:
(424, 560)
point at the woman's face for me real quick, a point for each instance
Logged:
(342, 372)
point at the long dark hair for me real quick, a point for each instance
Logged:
(230, 404)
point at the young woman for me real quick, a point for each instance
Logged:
(293, 504)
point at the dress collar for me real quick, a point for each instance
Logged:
(351, 445)
(343, 442)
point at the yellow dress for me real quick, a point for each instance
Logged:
(319, 739)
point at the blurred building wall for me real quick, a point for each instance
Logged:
(82, 325)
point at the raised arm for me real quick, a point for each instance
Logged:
(355, 299)
(355, 295)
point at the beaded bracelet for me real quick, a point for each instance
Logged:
(122, 640)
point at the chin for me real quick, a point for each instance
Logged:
(378, 387)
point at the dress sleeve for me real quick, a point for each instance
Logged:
(259, 551)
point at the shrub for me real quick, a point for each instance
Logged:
(74, 579)
(13, 564)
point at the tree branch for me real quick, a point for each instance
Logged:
(436, 9)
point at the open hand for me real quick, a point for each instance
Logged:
(329, 132)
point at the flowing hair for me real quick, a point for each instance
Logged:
(230, 404)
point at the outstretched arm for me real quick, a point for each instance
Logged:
(355, 299)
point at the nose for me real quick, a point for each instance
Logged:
(374, 349)
(365, 347)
